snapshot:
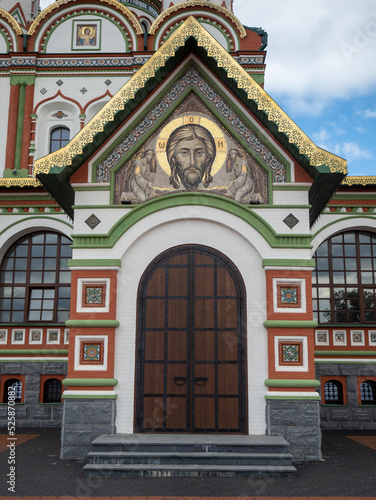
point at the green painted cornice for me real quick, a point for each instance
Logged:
(291, 383)
(184, 199)
(92, 323)
(34, 352)
(288, 262)
(90, 382)
(345, 353)
(94, 263)
(290, 324)
(22, 79)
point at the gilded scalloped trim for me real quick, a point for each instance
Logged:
(21, 182)
(197, 3)
(192, 27)
(363, 181)
(114, 3)
(11, 21)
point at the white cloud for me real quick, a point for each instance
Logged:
(369, 113)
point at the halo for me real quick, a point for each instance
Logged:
(87, 27)
(216, 132)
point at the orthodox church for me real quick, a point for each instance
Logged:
(177, 257)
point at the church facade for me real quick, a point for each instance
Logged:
(177, 256)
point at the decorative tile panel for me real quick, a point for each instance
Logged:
(35, 336)
(372, 337)
(66, 336)
(91, 352)
(288, 295)
(290, 353)
(18, 336)
(322, 337)
(93, 295)
(92, 221)
(59, 115)
(339, 337)
(59, 82)
(53, 336)
(43, 91)
(3, 336)
(291, 221)
(357, 337)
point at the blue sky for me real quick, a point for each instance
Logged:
(321, 69)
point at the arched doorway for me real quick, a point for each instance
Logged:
(191, 344)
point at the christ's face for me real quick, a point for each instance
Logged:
(190, 157)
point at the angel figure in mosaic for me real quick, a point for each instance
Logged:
(87, 35)
(139, 182)
(243, 186)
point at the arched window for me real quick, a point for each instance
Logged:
(344, 279)
(333, 392)
(52, 391)
(35, 279)
(59, 137)
(16, 385)
(368, 392)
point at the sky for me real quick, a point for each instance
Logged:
(321, 70)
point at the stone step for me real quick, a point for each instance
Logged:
(209, 458)
(187, 470)
(190, 443)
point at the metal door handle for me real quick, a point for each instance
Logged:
(201, 380)
(180, 380)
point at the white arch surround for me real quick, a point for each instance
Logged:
(20, 228)
(136, 258)
(344, 224)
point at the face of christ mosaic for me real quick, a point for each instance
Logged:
(191, 153)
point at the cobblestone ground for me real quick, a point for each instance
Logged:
(348, 470)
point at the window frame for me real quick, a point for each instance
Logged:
(4, 379)
(331, 285)
(360, 380)
(62, 142)
(43, 380)
(339, 379)
(27, 287)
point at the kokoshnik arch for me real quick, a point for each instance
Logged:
(177, 256)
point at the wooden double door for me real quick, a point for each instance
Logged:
(191, 344)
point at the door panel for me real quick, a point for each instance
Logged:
(191, 361)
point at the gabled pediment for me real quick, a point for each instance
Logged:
(325, 169)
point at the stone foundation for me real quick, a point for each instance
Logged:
(299, 423)
(352, 415)
(83, 421)
(32, 413)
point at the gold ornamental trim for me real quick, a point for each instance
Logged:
(193, 4)
(191, 28)
(11, 21)
(114, 3)
(21, 182)
(369, 180)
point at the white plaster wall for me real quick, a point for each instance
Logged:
(275, 217)
(146, 240)
(287, 197)
(60, 41)
(4, 105)
(15, 226)
(3, 45)
(329, 224)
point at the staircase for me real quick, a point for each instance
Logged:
(189, 455)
